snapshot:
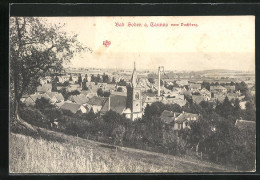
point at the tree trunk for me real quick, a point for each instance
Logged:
(19, 120)
(197, 149)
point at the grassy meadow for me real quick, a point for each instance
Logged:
(59, 153)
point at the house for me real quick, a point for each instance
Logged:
(205, 93)
(24, 97)
(242, 105)
(186, 93)
(174, 95)
(43, 81)
(232, 96)
(119, 93)
(183, 120)
(73, 87)
(89, 94)
(96, 103)
(220, 89)
(219, 97)
(194, 87)
(44, 88)
(115, 103)
(181, 102)
(151, 99)
(75, 79)
(168, 117)
(79, 99)
(182, 82)
(199, 98)
(230, 89)
(245, 125)
(74, 108)
(30, 101)
(55, 97)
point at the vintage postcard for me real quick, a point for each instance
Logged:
(150, 94)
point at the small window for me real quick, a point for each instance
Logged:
(136, 104)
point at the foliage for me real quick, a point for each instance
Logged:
(84, 86)
(79, 79)
(122, 83)
(66, 94)
(36, 48)
(100, 92)
(113, 80)
(119, 89)
(151, 80)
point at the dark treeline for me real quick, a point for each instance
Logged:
(102, 79)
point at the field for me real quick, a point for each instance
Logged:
(59, 153)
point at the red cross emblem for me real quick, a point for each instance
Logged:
(106, 43)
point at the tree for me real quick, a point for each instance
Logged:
(79, 79)
(250, 113)
(93, 78)
(54, 85)
(205, 85)
(86, 77)
(84, 86)
(119, 89)
(98, 79)
(105, 78)
(161, 82)
(242, 87)
(100, 92)
(151, 80)
(147, 112)
(113, 80)
(106, 94)
(36, 48)
(225, 109)
(122, 82)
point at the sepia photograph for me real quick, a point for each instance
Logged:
(132, 94)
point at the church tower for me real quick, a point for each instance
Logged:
(134, 98)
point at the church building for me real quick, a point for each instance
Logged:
(134, 109)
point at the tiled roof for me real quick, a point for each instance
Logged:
(197, 98)
(44, 88)
(230, 87)
(59, 97)
(197, 86)
(51, 94)
(81, 99)
(216, 87)
(98, 101)
(186, 116)
(71, 106)
(117, 104)
(34, 97)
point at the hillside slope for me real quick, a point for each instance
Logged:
(67, 154)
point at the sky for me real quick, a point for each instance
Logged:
(216, 42)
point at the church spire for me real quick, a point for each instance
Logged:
(134, 77)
